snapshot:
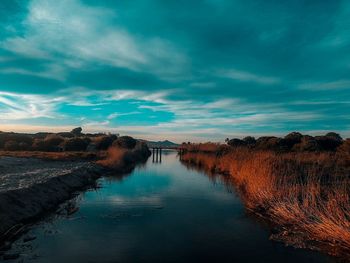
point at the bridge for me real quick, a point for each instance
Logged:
(157, 152)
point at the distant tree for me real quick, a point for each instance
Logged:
(77, 131)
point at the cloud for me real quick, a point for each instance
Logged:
(118, 114)
(248, 67)
(83, 35)
(333, 85)
(25, 106)
(245, 76)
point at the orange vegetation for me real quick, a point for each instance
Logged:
(115, 158)
(305, 194)
(65, 156)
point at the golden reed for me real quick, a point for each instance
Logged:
(306, 195)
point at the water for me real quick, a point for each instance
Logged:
(161, 212)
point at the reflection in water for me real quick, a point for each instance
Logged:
(160, 213)
(157, 155)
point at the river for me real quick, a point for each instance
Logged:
(161, 212)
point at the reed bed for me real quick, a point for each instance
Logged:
(304, 195)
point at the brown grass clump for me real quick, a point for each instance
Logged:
(115, 158)
(125, 159)
(305, 194)
(55, 156)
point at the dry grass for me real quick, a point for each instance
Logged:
(64, 156)
(115, 158)
(305, 194)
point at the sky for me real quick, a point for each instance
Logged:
(177, 69)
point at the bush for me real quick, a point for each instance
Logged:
(15, 137)
(104, 142)
(307, 144)
(236, 143)
(345, 147)
(75, 144)
(66, 134)
(249, 140)
(23, 146)
(11, 146)
(125, 142)
(335, 136)
(53, 140)
(328, 143)
(268, 143)
(292, 138)
(77, 131)
(40, 145)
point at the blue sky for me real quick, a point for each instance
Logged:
(175, 69)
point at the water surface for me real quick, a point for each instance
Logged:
(161, 212)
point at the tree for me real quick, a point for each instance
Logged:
(77, 131)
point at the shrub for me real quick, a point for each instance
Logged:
(23, 146)
(345, 147)
(40, 145)
(66, 134)
(271, 143)
(53, 140)
(236, 142)
(125, 142)
(76, 131)
(328, 143)
(249, 140)
(335, 136)
(75, 144)
(307, 144)
(104, 142)
(15, 137)
(11, 146)
(292, 138)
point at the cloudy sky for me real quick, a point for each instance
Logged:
(175, 69)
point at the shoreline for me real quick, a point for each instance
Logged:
(292, 222)
(22, 206)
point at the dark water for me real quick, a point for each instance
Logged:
(159, 213)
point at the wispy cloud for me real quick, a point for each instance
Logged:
(245, 76)
(118, 114)
(333, 85)
(26, 106)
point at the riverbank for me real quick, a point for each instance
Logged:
(305, 196)
(32, 187)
